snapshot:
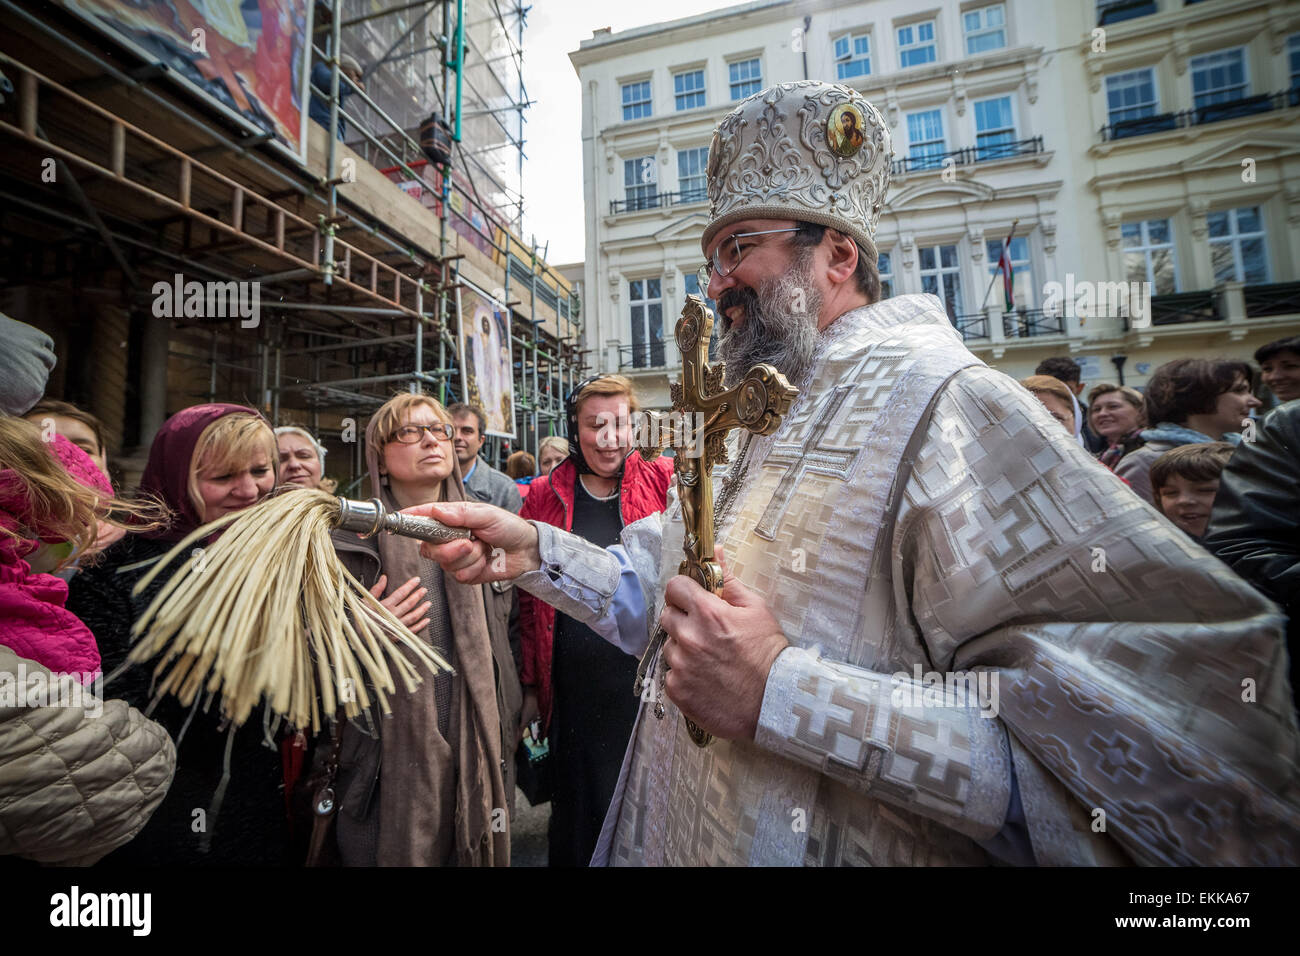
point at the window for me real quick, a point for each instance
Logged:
(995, 131)
(647, 323)
(691, 167)
(692, 283)
(885, 267)
(1293, 58)
(916, 44)
(746, 78)
(941, 276)
(1149, 254)
(1113, 11)
(852, 56)
(1237, 245)
(925, 136)
(688, 89)
(985, 29)
(641, 183)
(636, 100)
(1131, 95)
(1022, 284)
(1218, 78)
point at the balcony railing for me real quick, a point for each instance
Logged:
(1211, 113)
(641, 355)
(969, 155)
(1123, 10)
(1278, 298)
(971, 325)
(1180, 307)
(1025, 323)
(658, 201)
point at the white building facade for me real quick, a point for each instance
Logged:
(1008, 115)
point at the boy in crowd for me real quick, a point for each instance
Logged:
(1184, 482)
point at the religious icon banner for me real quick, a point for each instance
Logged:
(247, 59)
(487, 368)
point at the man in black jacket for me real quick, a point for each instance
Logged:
(1255, 525)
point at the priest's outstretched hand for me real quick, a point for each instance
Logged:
(719, 651)
(504, 545)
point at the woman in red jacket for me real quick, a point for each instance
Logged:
(579, 683)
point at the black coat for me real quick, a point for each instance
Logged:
(1255, 524)
(250, 827)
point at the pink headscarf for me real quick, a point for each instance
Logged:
(33, 620)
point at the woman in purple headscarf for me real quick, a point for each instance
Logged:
(206, 461)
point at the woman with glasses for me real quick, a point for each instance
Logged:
(424, 786)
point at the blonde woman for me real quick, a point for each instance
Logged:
(429, 785)
(226, 805)
(1118, 414)
(550, 452)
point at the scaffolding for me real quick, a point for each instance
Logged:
(357, 301)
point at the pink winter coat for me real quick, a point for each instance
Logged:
(33, 620)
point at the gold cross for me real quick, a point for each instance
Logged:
(706, 413)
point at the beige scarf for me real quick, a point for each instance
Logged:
(442, 802)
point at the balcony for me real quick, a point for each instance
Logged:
(1027, 323)
(971, 325)
(1201, 115)
(1277, 298)
(968, 156)
(642, 355)
(1115, 12)
(658, 201)
(1181, 307)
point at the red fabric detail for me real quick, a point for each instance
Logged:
(644, 491)
(293, 754)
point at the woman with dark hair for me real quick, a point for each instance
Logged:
(1279, 365)
(226, 804)
(1191, 401)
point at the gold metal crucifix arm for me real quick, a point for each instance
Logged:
(706, 413)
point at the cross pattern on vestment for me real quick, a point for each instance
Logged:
(756, 403)
(802, 458)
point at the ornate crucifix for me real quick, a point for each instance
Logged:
(756, 404)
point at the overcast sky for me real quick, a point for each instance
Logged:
(553, 168)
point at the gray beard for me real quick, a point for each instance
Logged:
(773, 331)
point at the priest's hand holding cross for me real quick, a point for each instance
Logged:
(719, 651)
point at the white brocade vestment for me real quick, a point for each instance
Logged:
(1110, 651)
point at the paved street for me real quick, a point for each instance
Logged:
(528, 832)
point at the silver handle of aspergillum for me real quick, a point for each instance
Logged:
(368, 518)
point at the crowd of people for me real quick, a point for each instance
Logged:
(1176, 445)
(944, 518)
(253, 787)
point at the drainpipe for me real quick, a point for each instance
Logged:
(807, 22)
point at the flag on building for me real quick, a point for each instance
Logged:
(1004, 266)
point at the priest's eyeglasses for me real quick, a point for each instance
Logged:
(410, 434)
(728, 255)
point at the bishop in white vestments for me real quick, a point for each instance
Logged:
(947, 634)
